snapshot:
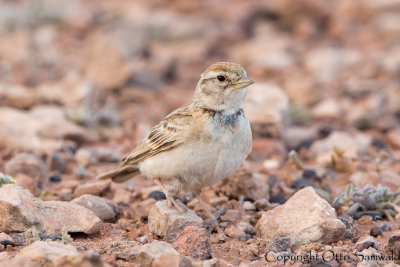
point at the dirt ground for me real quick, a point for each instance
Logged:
(82, 82)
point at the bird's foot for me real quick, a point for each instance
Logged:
(179, 206)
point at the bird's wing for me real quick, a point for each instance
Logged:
(167, 135)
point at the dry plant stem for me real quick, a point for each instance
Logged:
(210, 215)
(170, 198)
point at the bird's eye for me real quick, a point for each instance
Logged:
(221, 78)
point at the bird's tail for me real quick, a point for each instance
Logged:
(121, 174)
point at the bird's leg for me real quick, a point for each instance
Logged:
(170, 198)
(222, 235)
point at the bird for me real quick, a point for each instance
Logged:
(197, 145)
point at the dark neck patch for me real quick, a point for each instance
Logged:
(225, 120)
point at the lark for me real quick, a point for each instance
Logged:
(196, 145)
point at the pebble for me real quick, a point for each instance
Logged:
(168, 222)
(55, 178)
(247, 205)
(157, 195)
(234, 232)
(376, 231)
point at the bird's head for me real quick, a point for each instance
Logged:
(222, 87)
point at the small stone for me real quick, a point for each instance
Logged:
(123, 250)
(394, 244)
(81, 172)
(57, 163)
(42, 129)
(246, 227)
(244, 183)
(277, 198)
(327, 62)
(302, 183)
(93, 188)
(27, 163)
(143, 239)
(265, 106)
(263, 204)
(327, 109)
(193, 242)
(104, 62)
(157, 195)
(385, 227)
(349, 144)
(351, 227)
(247, 205)
(281, 244)
(122, 196)
(151, 251)
(366, 242)
(365, 220)
(171, 260)
(55, 178)
(6, 240)
(105, 209)
(393, 137)
(168, 222)
(232, 216)
(26, 182)
(304, 218)
(376, 231)
(218, 200)
(41, 251)
(234, 232)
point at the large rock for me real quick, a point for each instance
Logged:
(304, 218)
(168, 222)
(265, 106)
(40, 129)
(105, 209)
(20, 210)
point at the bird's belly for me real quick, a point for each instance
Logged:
(199, 164)
(187, 163)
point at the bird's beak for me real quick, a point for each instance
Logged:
(242, 83)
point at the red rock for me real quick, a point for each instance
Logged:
(193, 242)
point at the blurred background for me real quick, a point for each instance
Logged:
(83, 81)
(82, 75)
